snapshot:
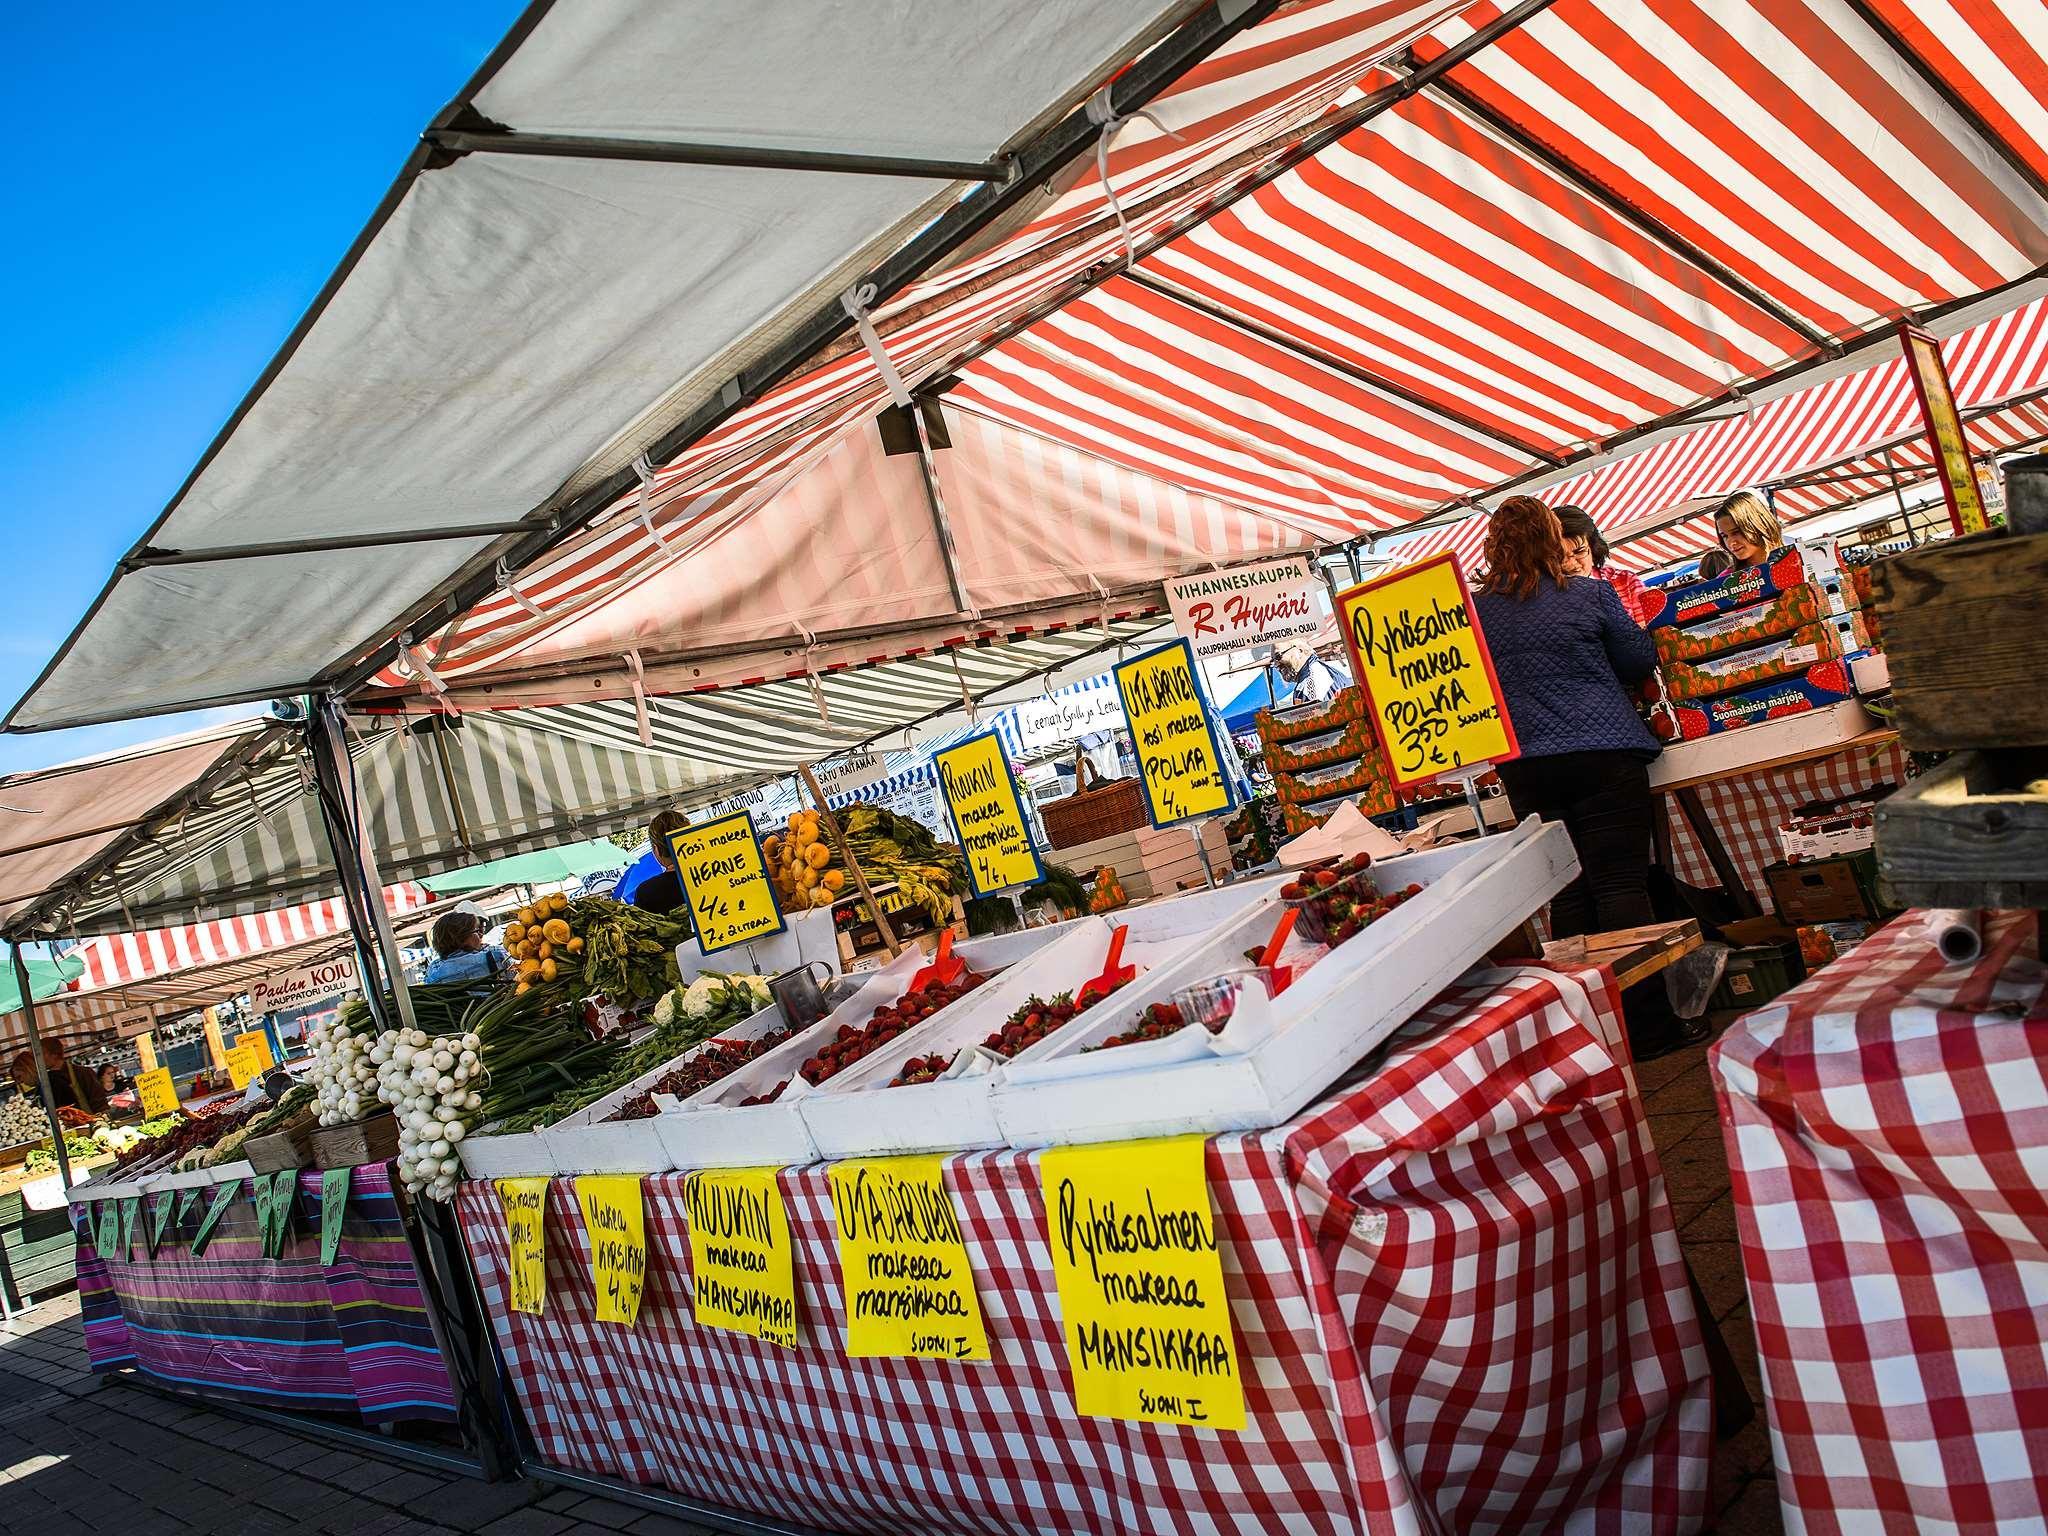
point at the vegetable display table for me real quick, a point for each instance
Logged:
(1455, 1288)
(281, 1333)
(1887, 1125)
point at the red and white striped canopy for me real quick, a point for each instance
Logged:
(1600, 223)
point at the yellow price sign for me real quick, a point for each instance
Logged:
(743, 1273)
(903, 1263)
(1179, 758)
(1429, 684)
(1945, 434)
(258, 1041)
(1142, 1303)
(526, 1245)
(158, 1094)
(988, 815)
(726, 879)
(145, 1050)
(616, 1226)
(245, 1063)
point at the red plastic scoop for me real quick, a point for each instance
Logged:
(1270, 955)
(1113, 975)
(944, 969)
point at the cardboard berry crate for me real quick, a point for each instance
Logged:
(1731, 671)
(1818, 687)
(858, 1113)
(713, 1129)
(1271, 1061)
(1741, 629)
(1688, 602)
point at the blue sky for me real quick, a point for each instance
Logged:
(180, 180)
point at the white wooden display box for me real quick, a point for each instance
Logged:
(713, 1129)
(520, 1156)
(589, 1141)
(1272, 1061)
(857, 1113)
(157, 1183)
(1730, 752)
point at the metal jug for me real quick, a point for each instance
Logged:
(800, 995)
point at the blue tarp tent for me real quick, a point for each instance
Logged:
(1240, 712)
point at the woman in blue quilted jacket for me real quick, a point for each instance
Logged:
(1568, 653)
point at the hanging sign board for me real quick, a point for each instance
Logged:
(1429, 683)
(526, 1206)
(258, 1041)
(725, 876)
(145, 1050)
(1944, 429)
(903, 1264)
(134, 1024)
(742, 1274)
(848, 774)
(1058, 719)
(988, 815)
(1179, 758)
(616, 1225)
(245, 1062)
(158, 1095)
(216, 1048)
(307, 984)
(1271, 602)
(1142, 1304)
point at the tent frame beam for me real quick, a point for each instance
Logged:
(150, 556)
(497, 140)
(1207, 29)
(1350, 370)
(1643, 222)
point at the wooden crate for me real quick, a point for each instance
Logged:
(289, 1146)
(356, 1143)
(38, 1250)
(1968, 834)
(1964, 641)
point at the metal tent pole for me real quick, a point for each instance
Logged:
(354, 858)
(35, 1046)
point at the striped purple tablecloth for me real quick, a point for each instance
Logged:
(348, 1338)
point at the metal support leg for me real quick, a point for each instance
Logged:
(1717, 853)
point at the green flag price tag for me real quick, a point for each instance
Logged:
(284, 1192)
(188, 1202)
(106, 1229)
(154, 1229)
(223, 1197)
(130, 1208)
(333, 1207)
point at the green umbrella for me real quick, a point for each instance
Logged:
(545, 867)
(46, 976)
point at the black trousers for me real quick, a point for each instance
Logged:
(1604, 801)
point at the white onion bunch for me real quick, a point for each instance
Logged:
(435, 1084)
(343, 1074)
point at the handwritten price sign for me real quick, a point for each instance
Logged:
(904, 1266)
(1178, 755)
(618, 1243)
(988, 815)
(1428, 679)
(159, 1096)
(741, 1268)
(726, 879)
(245, 1062)
(526, 1252)
(1142, 1304)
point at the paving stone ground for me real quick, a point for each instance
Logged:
(79, 1454)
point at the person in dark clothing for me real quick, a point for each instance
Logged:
(1567, 653)
(662, 892)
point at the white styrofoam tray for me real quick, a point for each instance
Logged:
(847, 1119)
(1271, 1061)
(521, 1155)
(590, 1141)
(713, 1129)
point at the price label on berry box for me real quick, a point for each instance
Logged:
(725, 876)
(1142, 1304)
(742, 1274)
(903, 1263)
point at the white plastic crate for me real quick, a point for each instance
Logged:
(1271, 1062)
(857, 1113)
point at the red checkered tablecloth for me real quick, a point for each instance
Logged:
(1456, 1288)
(1887, 1123)
(1746, 810)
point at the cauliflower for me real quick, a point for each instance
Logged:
(664, 1010)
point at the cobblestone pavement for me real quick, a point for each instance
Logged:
(81, 1454)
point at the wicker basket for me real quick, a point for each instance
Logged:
(1100, 810)
(290, 1146)
(357, 1143)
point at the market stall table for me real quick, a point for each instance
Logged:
(1455, 1284)
(351, 1338)
(1887, 1128)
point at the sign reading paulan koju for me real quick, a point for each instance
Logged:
(1428, 678)
(307, 984)
(1271, 602)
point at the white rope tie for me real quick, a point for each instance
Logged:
(966, 695)
(1104, 114)
(422, 668)
(856, 302)
(1102, 603)
(645, 471)
(510, 588)
(642, 720)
